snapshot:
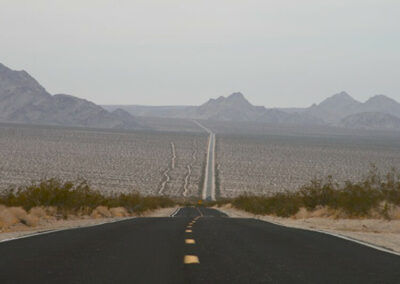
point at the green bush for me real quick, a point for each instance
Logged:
(375, 193)
(280, 204)
(74, 196)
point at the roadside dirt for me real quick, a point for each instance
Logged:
(50, 224)
(382, 233)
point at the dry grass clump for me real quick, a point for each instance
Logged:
(6, 217)
(105, 212)
(101, 212)
(377, 196)
(119, 212)
(10, 216)
(38, 212)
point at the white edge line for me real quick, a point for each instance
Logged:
(201, 214)
(175, 212)
(63, 229)
(338, 236)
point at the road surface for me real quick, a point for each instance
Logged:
(209, 178)
(209, 174)
(223, 250)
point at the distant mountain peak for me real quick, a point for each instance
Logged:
(236, 96)
(23, 99)
(232, 107)
(340, 97)
(380, 99)
(237, 99)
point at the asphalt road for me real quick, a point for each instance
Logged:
(229, 250)
(209, 175)
(209, 179)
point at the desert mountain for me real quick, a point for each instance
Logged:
(232, 108)
(334, 109)
(23, 99)
(371, 120)
(381, 103)
(153, 111)
(237, 108)
(341, 110)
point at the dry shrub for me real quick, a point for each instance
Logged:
(7, 218)
(119, 212)
(279, 204)
(322, 212)
(319, 212)
(24, 217)
(38, 212)
(84, 211)
(66, 198)
(394, 213)
(303, 213)
(101, 212)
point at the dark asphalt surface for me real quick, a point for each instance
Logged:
(151, 250)
(210, 182)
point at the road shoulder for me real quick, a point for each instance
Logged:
(21, 231)
(385, 235)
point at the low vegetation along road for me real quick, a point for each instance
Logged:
(195, 245)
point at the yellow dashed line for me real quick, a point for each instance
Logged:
(191, 259)
(188, 226)
(190, 241)
(188, 231)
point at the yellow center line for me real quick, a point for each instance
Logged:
(190, 241)
(191, 259)
(188, 231)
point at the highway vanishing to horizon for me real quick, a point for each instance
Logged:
(194, 245)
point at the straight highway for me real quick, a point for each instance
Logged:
(197, 245)
(209, 172)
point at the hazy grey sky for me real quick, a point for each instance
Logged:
(278, 53)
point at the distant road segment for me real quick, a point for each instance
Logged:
(197, 245)
(209, 174)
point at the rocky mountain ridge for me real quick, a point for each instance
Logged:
(333, 111)
(24, 100)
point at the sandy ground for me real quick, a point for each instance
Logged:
(382, 233)
(46, 226)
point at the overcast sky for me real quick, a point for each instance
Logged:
(167, 52)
